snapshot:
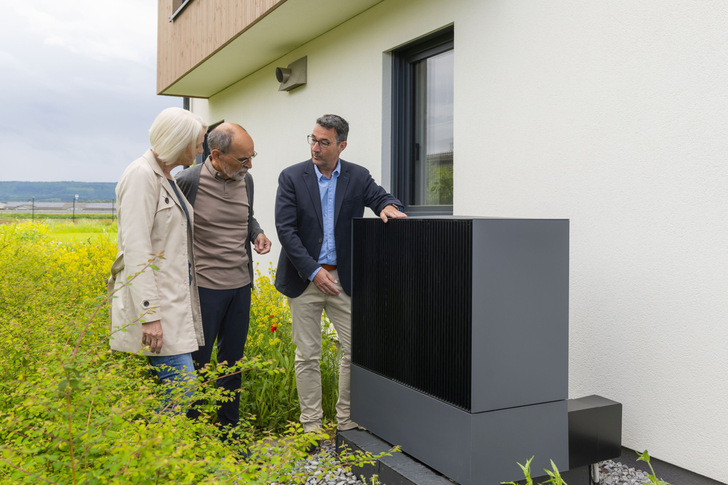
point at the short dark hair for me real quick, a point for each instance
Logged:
(221, 137)
(336, 122)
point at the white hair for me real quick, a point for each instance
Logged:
(173, 131)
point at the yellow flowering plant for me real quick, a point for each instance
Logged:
(71, 411)
(271, 401)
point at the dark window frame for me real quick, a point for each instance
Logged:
(403, 115)
(177, 7)
(205, 147)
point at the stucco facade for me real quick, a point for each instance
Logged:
(611, 114)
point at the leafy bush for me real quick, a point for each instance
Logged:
(554, 475)
(71, 411)
(272, 401)
(645, 456)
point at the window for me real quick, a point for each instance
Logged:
(177, 7)
(205, 147)
(422, 124)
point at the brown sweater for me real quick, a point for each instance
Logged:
(221, 230)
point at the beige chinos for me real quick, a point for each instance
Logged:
(306, 311)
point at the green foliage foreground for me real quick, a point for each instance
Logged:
(71, 411)
(554, 477)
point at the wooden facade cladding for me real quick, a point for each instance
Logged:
(204, 27)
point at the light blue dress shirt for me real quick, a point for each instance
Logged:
(327, 192)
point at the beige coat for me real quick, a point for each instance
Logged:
(152, 221)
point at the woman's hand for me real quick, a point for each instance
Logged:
(152, 336)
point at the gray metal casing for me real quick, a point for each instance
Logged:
(518, 291)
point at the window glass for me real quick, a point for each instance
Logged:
(177, 7)
(422, 134)
(433, 130)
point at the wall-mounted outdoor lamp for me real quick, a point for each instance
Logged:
(292, 76)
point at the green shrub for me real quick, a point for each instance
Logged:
(645, 456)
(553, 474)
(71, 411)
(272, 402)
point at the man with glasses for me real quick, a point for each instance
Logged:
(315, 204)
(221, 192)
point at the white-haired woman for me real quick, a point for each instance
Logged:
(157, 313)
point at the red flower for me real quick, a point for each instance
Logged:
(273, 328)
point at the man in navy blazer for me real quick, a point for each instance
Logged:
(315, 204)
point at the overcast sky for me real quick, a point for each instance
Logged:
(77, 87)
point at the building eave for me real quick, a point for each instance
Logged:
(281, 30)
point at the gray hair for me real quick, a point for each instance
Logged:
(336, 122)
(173, 131)
(221, 137)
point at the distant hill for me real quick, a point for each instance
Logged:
(57, 191)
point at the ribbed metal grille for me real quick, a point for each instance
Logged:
(411, 305)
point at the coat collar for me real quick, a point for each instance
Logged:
(161, 178)
(311, 181)
(152, 161)
(342, 185)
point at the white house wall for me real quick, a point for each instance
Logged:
(611, 114)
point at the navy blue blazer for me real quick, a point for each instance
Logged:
(299, 221)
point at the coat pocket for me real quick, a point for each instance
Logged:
(166, 216)
(116, 267)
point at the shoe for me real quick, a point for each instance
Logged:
(350, 427)
(233, 438)
(230, 435)
(244, 454)
(313, 444)
(312, 448)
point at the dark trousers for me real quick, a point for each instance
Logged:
(225, 317)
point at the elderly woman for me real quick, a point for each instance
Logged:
(156, 310)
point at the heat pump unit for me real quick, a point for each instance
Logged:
(460, 342)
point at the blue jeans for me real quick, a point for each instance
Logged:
(177, 373)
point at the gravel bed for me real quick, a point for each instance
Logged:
(335, 477)
(614, 473)
(610, 472)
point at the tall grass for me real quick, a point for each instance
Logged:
(272, 402)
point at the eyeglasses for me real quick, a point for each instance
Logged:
(324, 144)
(244, 160)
